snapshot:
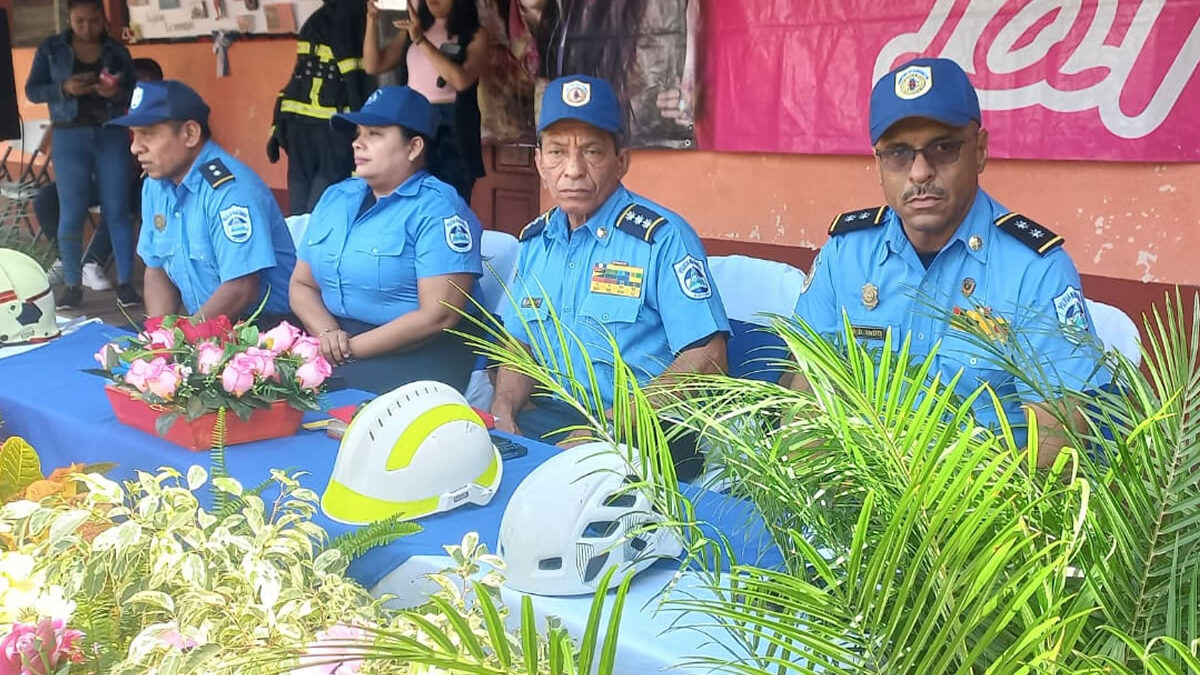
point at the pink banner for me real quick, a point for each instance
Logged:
(1081, 79)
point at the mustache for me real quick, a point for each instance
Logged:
(923, 191)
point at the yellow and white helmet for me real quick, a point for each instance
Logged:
(418, 450)
(26, 304)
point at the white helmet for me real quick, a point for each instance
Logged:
(26, 304)
(574, 517)
(417, 450)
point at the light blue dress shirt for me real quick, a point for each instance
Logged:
(219, 224)
(997, 260)
(634, 270)
(367, 265)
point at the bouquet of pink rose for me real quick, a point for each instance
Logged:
(192, 368)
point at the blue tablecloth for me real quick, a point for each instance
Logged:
(63, 412)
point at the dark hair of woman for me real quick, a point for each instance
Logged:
(98, 4)
(462, 23)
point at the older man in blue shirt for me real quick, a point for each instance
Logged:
(213, 238)
(941, 241)
(611, 262)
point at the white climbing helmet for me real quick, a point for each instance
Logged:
(26, 304)
(574, 517)
(417, 450)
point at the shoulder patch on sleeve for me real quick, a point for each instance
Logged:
(852, 221)
(640, 221)
(535, 226)
(216, 173)
(1030, 233)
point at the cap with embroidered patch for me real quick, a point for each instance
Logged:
(391, 106)
(579, 97)
(162, 101)
(937, 89)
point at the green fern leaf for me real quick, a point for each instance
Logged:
(380, 533)
(216, 460)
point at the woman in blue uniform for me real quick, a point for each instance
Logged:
(389, 255)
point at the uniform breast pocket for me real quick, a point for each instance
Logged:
(602, 308)
(974, 356)
(315, 249)
(393, 267)
(163, 247)
(200, 248)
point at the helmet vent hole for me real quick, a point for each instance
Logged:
(593, 567)
(638, 544)
(621, 501)
(631, 479)
(600, 529)
(550, 564)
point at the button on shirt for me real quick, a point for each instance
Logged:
(204, 236)
(656, 298)
(877, 277)
(367, 265)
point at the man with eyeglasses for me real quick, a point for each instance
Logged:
(944, 261)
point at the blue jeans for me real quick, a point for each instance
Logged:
(79, 153)
(45, 206)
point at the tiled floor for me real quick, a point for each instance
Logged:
(103, 304)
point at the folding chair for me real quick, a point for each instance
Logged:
(1117, 332)
(33, 150)
(499, 251)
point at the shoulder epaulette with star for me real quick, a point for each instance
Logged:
(853, 221)
(1030, 233)
(640, 221)
(216, 173)
(535, 226)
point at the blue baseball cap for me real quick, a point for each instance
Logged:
(161, 101)
(937, 89)
(391, 106)
(579, 97)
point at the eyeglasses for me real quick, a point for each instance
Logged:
(901, 157)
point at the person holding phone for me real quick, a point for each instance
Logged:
(87, 79)
(441, 51)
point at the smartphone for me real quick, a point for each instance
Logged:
(398, 8)
(509, 449)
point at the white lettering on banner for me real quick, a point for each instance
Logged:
(1003, 56)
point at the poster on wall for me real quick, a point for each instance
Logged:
(181, 19)
(645, 48)
(1086, 79)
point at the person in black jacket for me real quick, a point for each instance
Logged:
(328, 78)
(441, 52)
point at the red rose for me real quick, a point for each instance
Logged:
(218, 327)
(154, 323)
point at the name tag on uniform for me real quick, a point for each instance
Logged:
(869, 332)
(617, 278)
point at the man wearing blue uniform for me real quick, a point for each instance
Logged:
(943, 242)
(213, 238)
(611, 262)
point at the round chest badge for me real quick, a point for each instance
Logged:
(914, 82)
(576, 93)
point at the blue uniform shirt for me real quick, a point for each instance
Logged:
(220, 223)
(1027, 279)
(367, 265)
(634, 269)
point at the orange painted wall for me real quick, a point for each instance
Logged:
(1127, 221)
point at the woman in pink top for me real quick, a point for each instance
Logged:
(441, 52)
